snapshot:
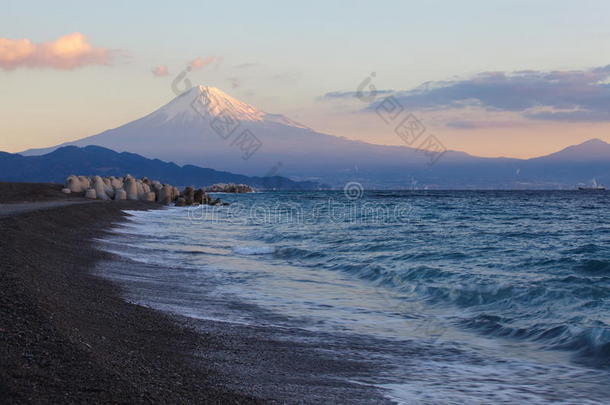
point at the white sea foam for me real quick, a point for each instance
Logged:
(507, 382)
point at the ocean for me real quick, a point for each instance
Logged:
(478, 296)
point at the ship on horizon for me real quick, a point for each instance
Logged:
(595, 186)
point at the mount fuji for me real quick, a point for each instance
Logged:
(206, 127)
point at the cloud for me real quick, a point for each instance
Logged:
(465, 124)
(66, 53)
(577, 95)
(571, 116)
(160, 71)
(484, 124)
(198, 62)
(351, 94)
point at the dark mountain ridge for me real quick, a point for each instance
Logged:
(96, 160)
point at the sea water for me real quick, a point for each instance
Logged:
(499, 296)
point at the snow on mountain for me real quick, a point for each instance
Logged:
(205, 100)
(208, 103)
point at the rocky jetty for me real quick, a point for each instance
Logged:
(229, 188)
(130, 188)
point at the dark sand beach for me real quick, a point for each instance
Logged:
(68, 336)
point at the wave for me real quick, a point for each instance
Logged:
(584, 249)
(594, 267)
(297, 253)
(254, 250)
(590, 344)
(529, 304)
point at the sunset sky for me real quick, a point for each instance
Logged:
(491, 78)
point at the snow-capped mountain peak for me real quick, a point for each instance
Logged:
(206, 102)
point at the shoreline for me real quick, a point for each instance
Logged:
(68, 335)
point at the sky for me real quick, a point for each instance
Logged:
(491, 78)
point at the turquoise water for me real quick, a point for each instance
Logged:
(517, 282)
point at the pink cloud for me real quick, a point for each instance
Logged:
(198, 63)
(160, 71)
(68, 52)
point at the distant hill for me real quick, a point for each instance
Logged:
(95, 160)
(593, 150)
